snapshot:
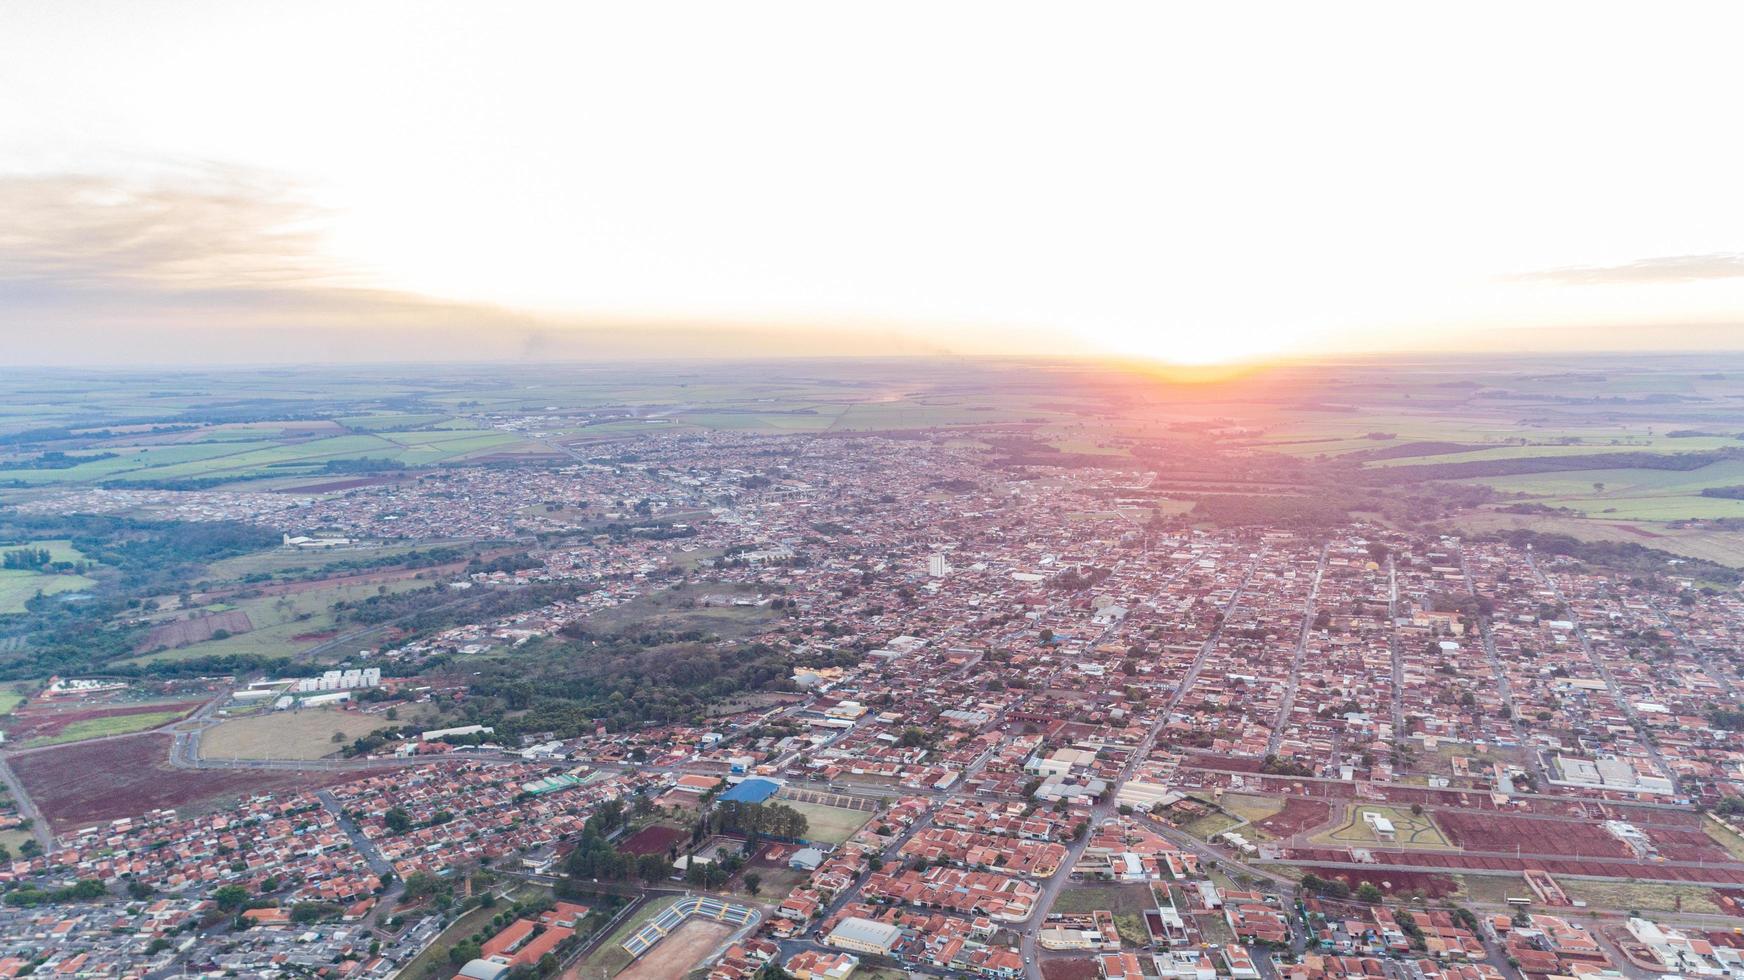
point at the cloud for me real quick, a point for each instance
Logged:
(1664, 269)
(213, 264)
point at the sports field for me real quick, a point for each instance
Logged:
(680, 952)
(829, 824)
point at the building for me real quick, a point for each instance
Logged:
(754, 790)
(483, 970)
(814, 965)
(1383, 828)
(864, 936)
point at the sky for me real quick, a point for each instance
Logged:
(1190, 183)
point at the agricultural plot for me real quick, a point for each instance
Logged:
(1409, 830)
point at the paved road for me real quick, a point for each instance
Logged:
(1487, 637)
(26, 808)
(1697, 653)
(1101, 811)
(1393, 646)
(1598, 662)
(1288, 702)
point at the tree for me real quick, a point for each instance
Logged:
(398, 820)
(230, 898)
(1369, 894)
(753, 883)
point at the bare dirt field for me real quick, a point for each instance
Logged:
(679, 952)
(79, 785)
(1298, 815)
(185, 631)
(302, 734)
(653, 839)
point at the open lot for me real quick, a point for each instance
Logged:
(305, 733)
(829, 824)
(1128, 903)
(79, 785)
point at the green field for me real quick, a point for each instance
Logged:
(18, 586)
(278, 620)
(1128, 903)
(829, 824)
(90, 728)
(10, 700)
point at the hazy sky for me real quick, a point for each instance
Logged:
(310, 180)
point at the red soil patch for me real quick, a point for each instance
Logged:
(1392, 882)
(313, 637)
(1078, 969)
(43, 722)
(93, 782)
(652, 840)
(1494, 832)
(184, 632)
(1299, 813)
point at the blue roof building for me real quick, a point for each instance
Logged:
(754, 790)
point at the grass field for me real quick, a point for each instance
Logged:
(280, 560)
(1210, 825)
(1733, 844)
(10, 700)
(279, 620)
(830, 824)
(305, 734)
(1711, 544)
(1128, 903)
(79, 731)
(1624, 896)
(1251, 808)
(18, 586)
(1412, 831)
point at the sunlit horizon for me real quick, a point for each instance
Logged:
(1192, 187)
